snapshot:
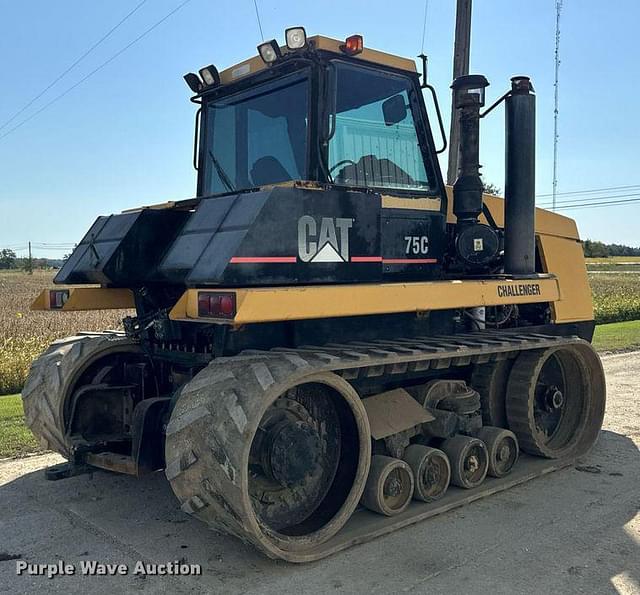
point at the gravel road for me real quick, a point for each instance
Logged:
(573, 531)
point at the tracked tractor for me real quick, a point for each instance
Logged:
(326, 343)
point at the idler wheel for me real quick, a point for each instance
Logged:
(556, 399)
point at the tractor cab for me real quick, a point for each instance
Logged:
(326, 112)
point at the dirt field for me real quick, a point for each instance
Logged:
(574, 531)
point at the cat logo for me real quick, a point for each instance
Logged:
(326, 241)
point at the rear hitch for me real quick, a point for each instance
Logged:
(67, 469)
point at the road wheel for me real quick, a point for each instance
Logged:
(490, 380)
(502, 446)
(469, 460)
(431, 471)
(389, 486)
(556, 400)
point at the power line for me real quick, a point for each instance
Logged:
(77, 61)
(58, 244)
(255, 4)
(95, 70)
(600, 205)
(591, 191)
(588, 199)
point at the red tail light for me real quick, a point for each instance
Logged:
(58, 298)
(354, 44)
(216, 305)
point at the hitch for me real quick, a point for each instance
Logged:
(65, 470)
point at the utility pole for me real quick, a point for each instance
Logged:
(461, 49)
(30, 265)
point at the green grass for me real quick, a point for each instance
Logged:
(617, 336)
(15, 438)
(613, 259)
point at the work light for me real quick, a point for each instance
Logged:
(209, 75)
(194, 82)
(296, 38)
(270, 51)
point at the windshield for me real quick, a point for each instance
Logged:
(374, 141)
(257, 137)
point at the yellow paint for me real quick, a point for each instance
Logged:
(87, 298)
(270, 304)
(419, 204)
(564, 258)
(559, 244)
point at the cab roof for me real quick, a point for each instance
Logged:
(256, 64)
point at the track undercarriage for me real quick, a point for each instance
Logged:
(288, 448)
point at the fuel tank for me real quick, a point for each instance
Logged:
(280, 236)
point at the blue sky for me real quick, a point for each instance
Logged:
(124, 137)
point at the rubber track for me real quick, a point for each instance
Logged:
(491, 383)
(49, 380)
(208, 431)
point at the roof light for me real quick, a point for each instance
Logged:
(296, 38)
(194, 82)
(270, 51)
(210, 75)
(354, 44)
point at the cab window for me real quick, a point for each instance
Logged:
(373, 139)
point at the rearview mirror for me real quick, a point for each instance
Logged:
(394, 110)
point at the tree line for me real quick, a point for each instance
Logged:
(593, 248)
(10, 261)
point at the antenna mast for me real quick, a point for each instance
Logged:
(555, 105)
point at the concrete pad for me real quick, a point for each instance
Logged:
(574, 531)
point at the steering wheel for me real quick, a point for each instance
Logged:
(343, 162)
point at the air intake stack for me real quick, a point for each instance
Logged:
(476, 244)
(520, 171)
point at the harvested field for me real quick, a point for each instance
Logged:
(25, 334)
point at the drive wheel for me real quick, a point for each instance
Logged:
(469, 460)
(556, 400)
(263, 448)
(431, 471)
(502, 446)
(490, 380)
(389, 486)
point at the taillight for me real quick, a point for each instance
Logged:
(58, 298)
(354, 44)
(216, 305)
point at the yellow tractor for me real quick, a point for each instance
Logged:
(326, 343)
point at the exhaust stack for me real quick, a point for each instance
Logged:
(520, 170)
